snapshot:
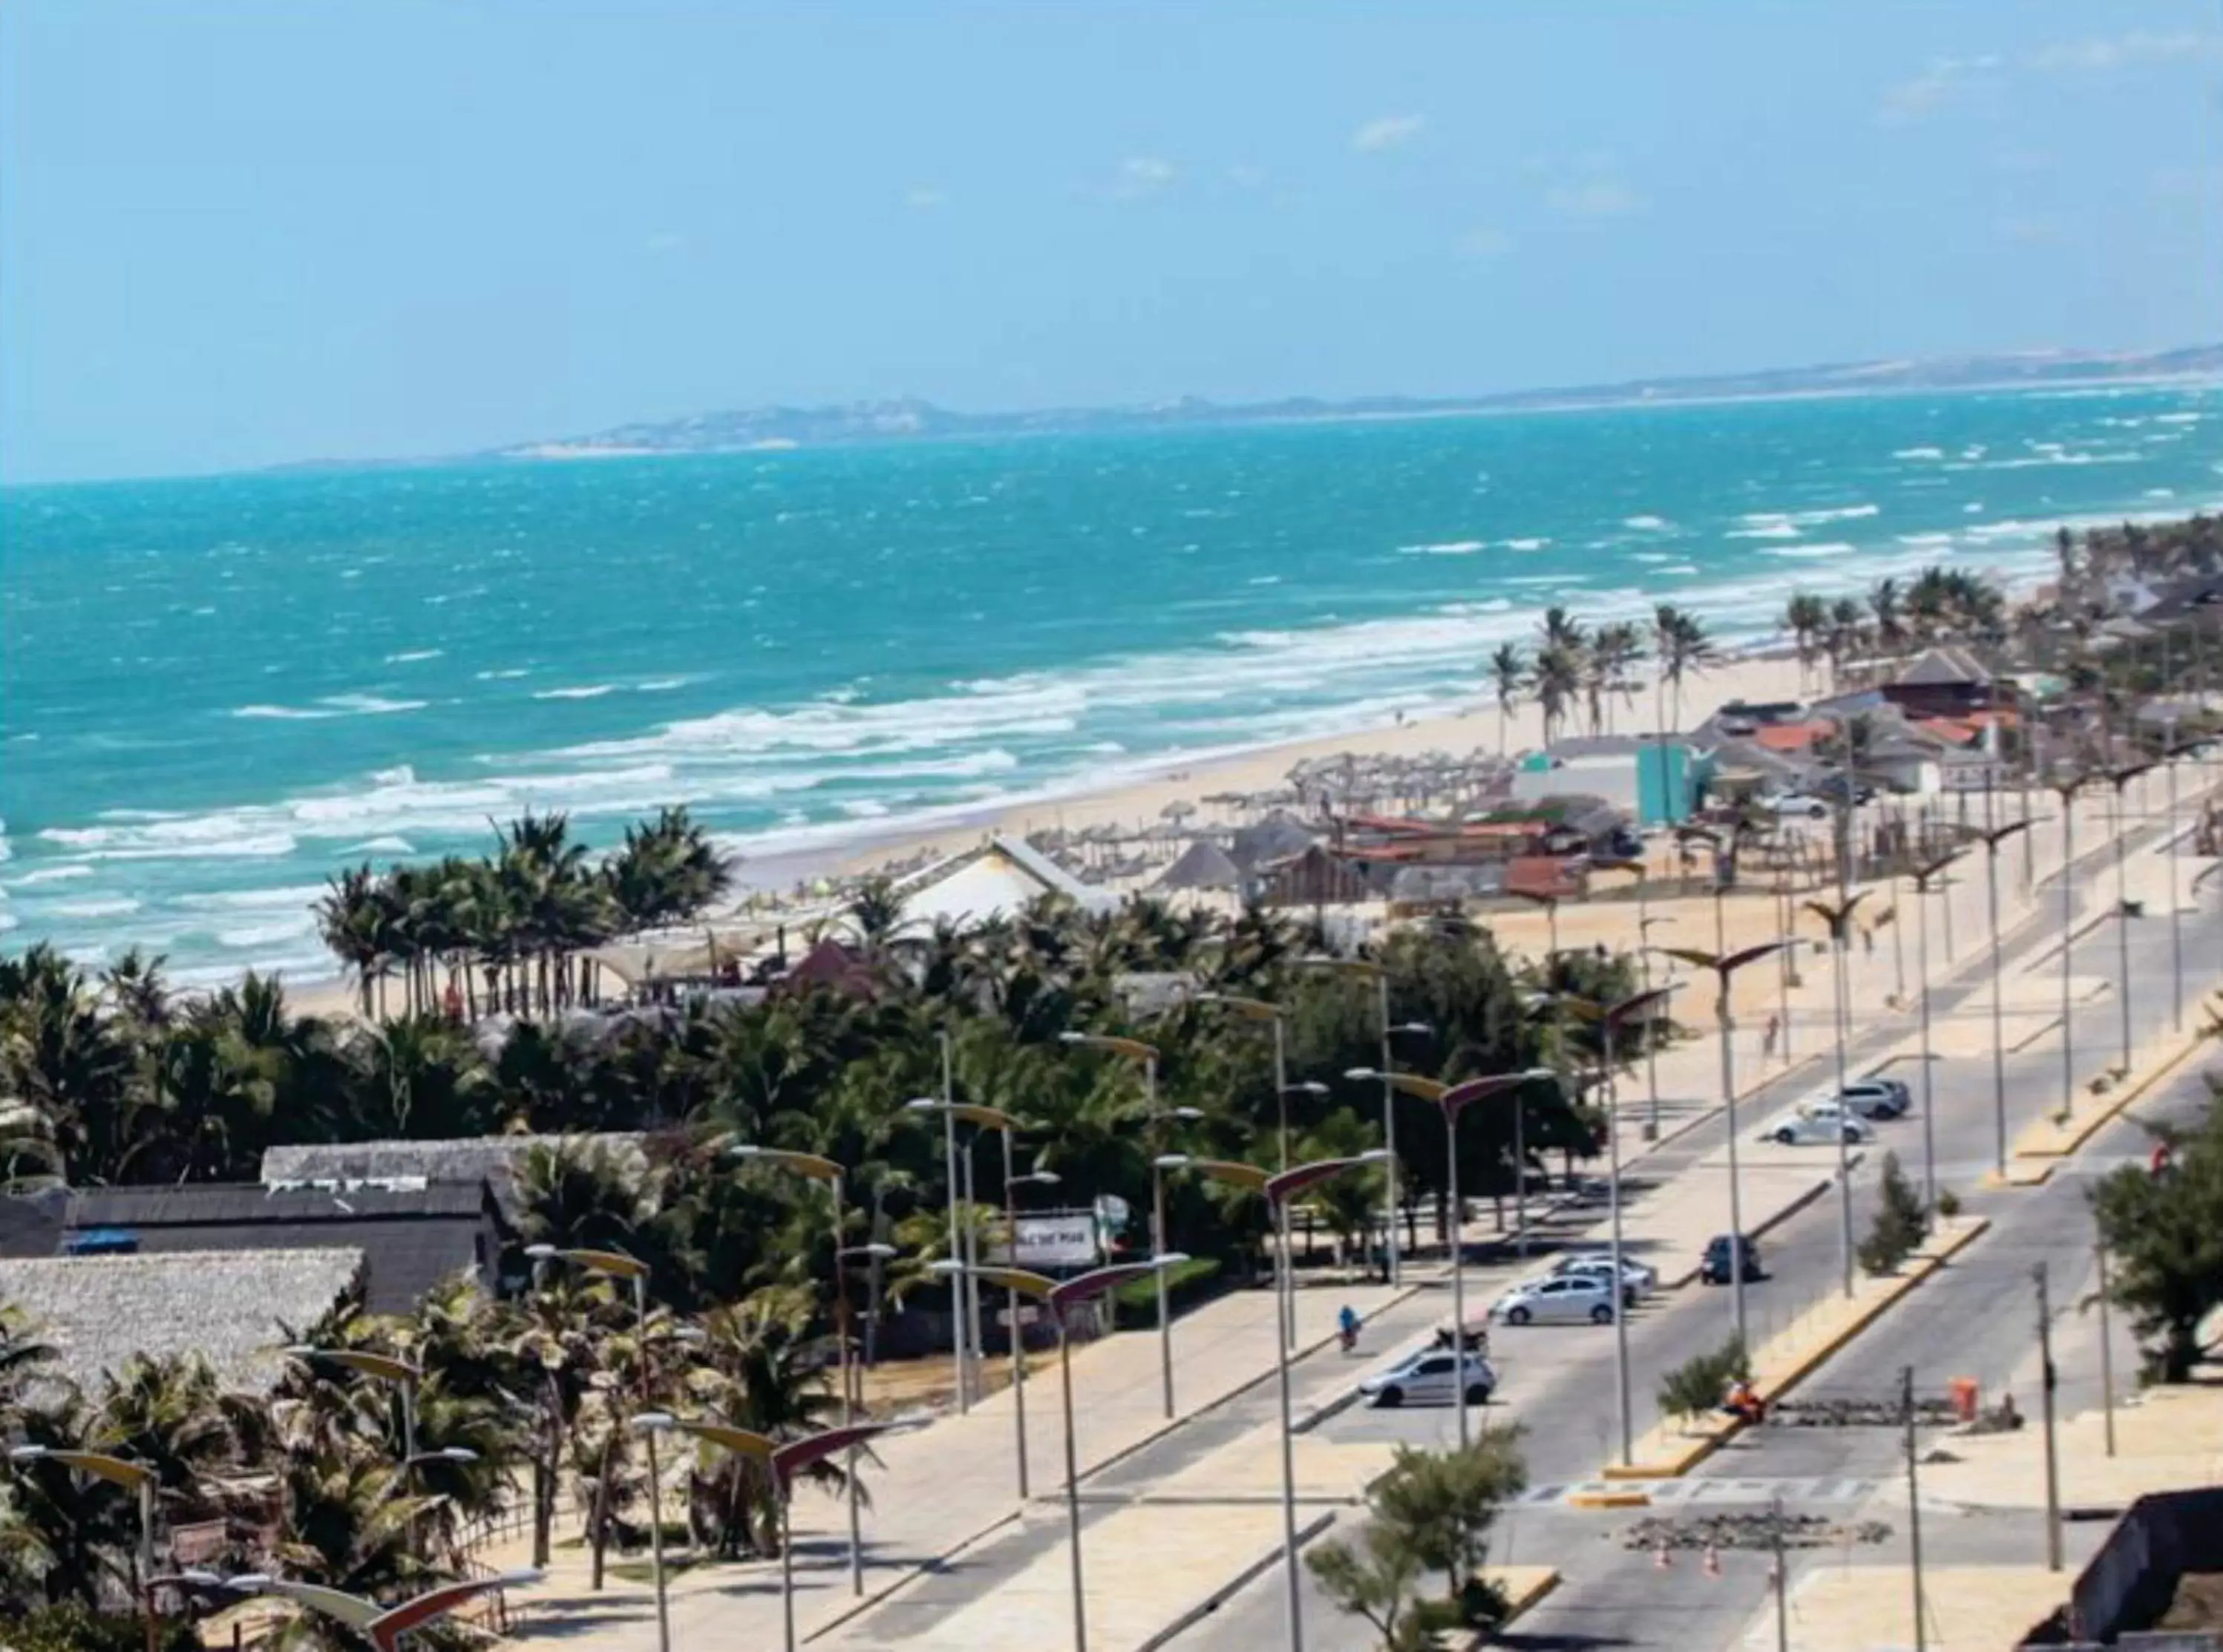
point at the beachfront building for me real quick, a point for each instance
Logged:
(1651, 779)
(1000, 877)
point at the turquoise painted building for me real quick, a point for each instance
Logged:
(1654, 781)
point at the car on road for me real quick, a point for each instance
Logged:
(1818, 1122)
(1877, 1098)
(1638, 1279)
(1799, 804)
(1714, 1268)
(1578, 1299)
(1432, 1377)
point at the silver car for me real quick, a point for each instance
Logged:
(1431, 1378)
(1576, 1299)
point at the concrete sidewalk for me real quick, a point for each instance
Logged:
(943, 1487)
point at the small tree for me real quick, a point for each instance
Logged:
(1698, 1385)
(1373, 1575)
(2165, 1234)
(1900, 1221)
(1444, 1503)
(1431, 1512)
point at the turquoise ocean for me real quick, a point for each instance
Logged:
(216, 692)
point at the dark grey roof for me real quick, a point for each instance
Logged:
(493, 1159)
(1280, 836)
(1203, 865)
(227, 1203)
(413, 1238)
(96, 1311)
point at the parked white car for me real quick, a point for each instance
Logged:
(1799, 804)
(1575, 1299)
(1818, 1123)
(1432, 1377)
(1638, 1278)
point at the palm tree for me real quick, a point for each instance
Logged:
(1508, 675)
(1559, 682)
(1806, 618)
(351, 924)
(1888, 606)
(1614, 648)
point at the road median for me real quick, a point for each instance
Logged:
(1673, 1449)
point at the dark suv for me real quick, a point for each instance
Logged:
(1715, 1270)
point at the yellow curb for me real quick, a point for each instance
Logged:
(1524, 1586)
(1609, 1499)
(1701, 1447)
(2046, 1139)
(2036, 1175)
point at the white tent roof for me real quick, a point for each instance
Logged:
(999, 879)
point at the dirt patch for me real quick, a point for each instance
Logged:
(2199, 1602)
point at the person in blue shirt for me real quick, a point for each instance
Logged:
(1347, 1323)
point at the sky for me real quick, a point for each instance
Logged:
(237, 234)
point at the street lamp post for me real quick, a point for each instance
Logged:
(1725, 966)
(1146, 1054)
(2120, 825)
(1837, 918)
(968, 1291)
(817, 1167)
(616, 1264)
(1639, 1005)
(1379, 974)
(2066, 790)
(782, 1461)
(382, 1626)
(1279, 1189)
(1922, 877)
(381, 1367)
(1991, 840)
(1058, 1296)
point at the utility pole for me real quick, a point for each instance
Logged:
(2106, 1351)
(2053, 1561)
(1913, 1507)
(1782, 1584)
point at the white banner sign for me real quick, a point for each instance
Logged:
(1066, 1241)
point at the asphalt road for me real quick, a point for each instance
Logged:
(1977, 1321)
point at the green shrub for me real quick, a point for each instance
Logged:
(1900, 1221)
(1949, 1205)
(1698, 1385)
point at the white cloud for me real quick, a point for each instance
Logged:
(2137, 49)
(1593, 198)
(1942, 81)
(1485, 243)
(1387, 132)
(924, 200)
(1141, 175)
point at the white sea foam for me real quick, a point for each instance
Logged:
(1919, 453)
(502, 675)
(1765, 530)
(1834, 548)
(2177, 418)
(51, 874)
(400, 775)
(414, 655)
(1647, 523)
(255, 937)
(1925, 538)
(1445, 547)
(660, 685)
(1526, 544)
(380, 846)
(331, 706)
(122, 906)
(1650, 556)
(590, 691)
